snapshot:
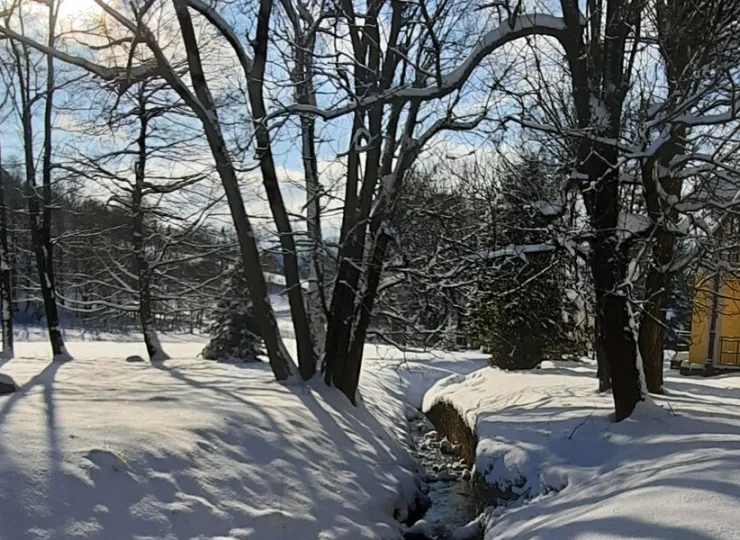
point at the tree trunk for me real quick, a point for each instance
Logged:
(615, 334)
(339, 325)
(7, 290)
(303, 47)
(602, 364)
(40, 232)
(43, 242)
(342, 366)
(652, 324)
(280, 360)
(674, 19)
(255, 86)
(316, 297)
(599, 83)
(151, 340)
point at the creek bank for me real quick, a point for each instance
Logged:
(451, 503)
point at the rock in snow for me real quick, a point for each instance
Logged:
(7, 385)
(421, 530)
(446, 447)
(469, 531)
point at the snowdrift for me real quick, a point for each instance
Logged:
(101, 448)
(672, 471)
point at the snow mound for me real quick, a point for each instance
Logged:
(105, 459)
(469, 531)
(7, 384)
(100, 448)
(669, 471)
(420, 529)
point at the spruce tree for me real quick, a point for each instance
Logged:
(516, 311)
(234, 330)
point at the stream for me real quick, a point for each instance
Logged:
(448, 480)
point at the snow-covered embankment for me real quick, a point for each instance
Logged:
(672, 471)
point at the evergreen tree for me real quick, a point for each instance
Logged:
(517, 308)
(234, 331)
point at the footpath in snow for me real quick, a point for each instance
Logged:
(671, 472)
(102, 448)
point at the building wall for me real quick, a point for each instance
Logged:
(728, 317)
(699, 325)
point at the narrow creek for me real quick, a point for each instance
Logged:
(447, 479)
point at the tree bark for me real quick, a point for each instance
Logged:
(602, 363)
(280, 360)
(598, 78)
(40, 222)
(46, 260)
(608, 266)
(677, 21)
(255, 86)
(316, 297)
(652, 324)
(302, 76)
(345, 333)
(146, 318)
(6, 281)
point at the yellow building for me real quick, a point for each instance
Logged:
(715, 326)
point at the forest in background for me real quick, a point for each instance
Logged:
(531, 177)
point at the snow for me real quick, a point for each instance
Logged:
(469, 531)
(104, 448)
(671, 471)
(275, 279)
(512, 250)
(63, 356)
(632, 224)
(188, 448)
(421, 527)
(548, 208)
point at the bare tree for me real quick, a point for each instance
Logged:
(201, 102)
(401, 73)
(153, 178)
(302, 50)
(26, 95)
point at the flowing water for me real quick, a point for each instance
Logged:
(447, 478)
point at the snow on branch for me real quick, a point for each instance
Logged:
(115, 74)
(541, 24)
(520, 251)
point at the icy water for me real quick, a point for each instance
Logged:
(447, 478)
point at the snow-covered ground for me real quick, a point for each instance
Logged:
(670, 472)
(104, 448)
